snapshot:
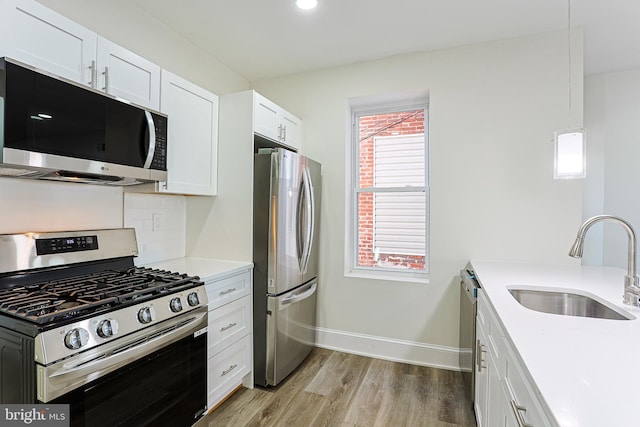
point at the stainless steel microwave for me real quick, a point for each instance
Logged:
(54, 129)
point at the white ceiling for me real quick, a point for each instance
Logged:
(269, 38)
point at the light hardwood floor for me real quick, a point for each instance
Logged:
(339, 389)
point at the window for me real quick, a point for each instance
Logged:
(389, 192)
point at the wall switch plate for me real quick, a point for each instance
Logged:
(156, 221)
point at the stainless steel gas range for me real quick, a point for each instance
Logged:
(81, 325)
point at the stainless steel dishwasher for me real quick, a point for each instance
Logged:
(468, 297)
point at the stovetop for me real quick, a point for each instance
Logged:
(60, 300)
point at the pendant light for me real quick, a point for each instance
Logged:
(569, 144)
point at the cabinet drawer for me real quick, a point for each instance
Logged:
(220, 292)
(227, 324)
(523, 401)
(226, 369)
(495, 336)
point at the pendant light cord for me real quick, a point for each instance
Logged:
(569, 49)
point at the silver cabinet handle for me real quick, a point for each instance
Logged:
(518, 410)
(105, 73)
(284, 132)
(229, 326)
(231, 368)
(228, 291)
(94, 74)
(479, 352)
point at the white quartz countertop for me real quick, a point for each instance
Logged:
(586, 370)
(206, 269)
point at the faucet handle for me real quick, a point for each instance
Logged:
(632, 290)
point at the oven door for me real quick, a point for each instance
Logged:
(166, 387)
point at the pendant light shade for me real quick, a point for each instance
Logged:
(569, 154)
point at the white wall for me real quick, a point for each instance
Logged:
(493, 110)
(612, 119)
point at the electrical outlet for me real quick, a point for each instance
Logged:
(156, 221)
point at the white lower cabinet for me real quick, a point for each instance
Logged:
(229, 342)
(226, 369)
(503, 395)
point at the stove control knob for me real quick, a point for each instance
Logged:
(107, 328)
(145, 315)
(76, 338)
(175, 305)
(193, 299)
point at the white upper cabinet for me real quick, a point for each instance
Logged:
(192, 151)
(35, 35)
(42, 38)
(126, 75)
(274, 122)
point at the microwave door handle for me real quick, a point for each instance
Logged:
(152, 140)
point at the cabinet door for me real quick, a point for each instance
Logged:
(266, 116)
(227, 324)
(124, 74)
(273, 122)
(226, 369)
(192, 147)
(42, 38)
(481, 365)
(290, 130)
(522, 401)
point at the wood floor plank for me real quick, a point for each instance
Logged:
(333, 389)
(339, 400)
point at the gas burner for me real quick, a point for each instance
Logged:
(71, 297)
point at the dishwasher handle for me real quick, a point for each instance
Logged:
(469, 283)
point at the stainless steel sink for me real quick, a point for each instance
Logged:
(565, 303)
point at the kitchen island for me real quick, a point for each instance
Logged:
(582, 370)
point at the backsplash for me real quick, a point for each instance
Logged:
(160, 223)
(54, 206)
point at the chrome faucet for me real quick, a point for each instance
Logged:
(631, 281)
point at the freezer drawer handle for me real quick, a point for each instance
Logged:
(229, 326)
(301, 296)
(228, 291)
(231, 368)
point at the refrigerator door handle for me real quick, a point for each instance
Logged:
(309, 220)
(299, 296)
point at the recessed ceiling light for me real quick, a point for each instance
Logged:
(306, 4)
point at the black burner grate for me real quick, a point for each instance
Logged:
(63, 299)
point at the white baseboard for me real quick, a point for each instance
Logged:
(415, 353)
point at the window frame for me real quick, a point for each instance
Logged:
(357, 108)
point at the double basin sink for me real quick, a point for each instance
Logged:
(565, 303)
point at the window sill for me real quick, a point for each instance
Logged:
(416, 277)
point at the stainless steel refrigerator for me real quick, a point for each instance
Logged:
(286, 211)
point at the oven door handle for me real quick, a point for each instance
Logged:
(59, 378)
